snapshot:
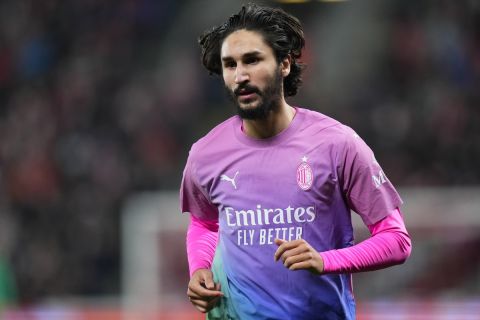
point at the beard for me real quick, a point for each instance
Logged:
(269, 98)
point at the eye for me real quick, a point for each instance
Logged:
(252, 60)
(229, 64)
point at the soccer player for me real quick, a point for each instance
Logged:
(269, 192)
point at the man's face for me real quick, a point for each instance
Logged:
(252, 76)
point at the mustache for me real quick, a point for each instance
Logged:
(246, 87)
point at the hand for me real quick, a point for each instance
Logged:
(202, 292)
(298, 255)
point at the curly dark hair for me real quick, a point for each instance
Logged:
(282, 32)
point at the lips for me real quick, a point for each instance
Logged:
(247, 96)
(245, 90)
(246, 93)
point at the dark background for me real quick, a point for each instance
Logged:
(100, 100)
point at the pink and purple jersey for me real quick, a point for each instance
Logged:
(301, 183)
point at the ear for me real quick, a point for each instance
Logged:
(285, 66)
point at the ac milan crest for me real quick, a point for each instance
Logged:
(304, 175)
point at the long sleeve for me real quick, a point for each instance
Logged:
(202, 238)
(388, 245)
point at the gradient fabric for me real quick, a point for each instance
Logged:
(389, 244)
(300, 183)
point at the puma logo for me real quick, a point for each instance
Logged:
(224, 177)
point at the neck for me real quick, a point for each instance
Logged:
(273, 124)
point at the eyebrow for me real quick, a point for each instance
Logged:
(250, 54)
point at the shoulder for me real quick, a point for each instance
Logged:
(318, 124)
(215, 138)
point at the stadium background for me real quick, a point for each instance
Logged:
(100, 101)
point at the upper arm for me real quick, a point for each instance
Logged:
(364, 184)
(193, 197)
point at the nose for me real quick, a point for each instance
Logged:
(241, 75)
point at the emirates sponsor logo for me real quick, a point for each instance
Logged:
(262, 225)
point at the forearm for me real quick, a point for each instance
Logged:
(201, 243)
(389, 245)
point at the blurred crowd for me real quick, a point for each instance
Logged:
(92, 110)
(419, 110)
(80, 129)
